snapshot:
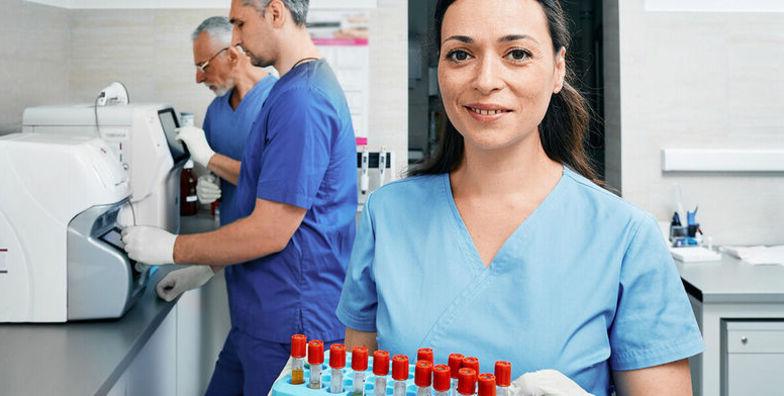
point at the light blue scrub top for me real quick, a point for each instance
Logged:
(584, 286)
(301, 152)
(227, 133)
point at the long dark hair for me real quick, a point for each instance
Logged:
(563, 130)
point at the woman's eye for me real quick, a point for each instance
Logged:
(518, 55)
(457, 55)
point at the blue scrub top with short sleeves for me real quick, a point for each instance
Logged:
(301, 152)
(227, 133)
(584, 286)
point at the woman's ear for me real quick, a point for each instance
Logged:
(560, 70)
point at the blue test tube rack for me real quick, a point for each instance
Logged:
(283, 386)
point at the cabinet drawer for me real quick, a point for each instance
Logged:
(755, 337)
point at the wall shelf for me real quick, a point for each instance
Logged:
(722, 160)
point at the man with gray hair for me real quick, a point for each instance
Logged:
(297, 191)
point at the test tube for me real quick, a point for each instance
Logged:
(298, 344)
(442, 377)
(503, 377)
(359, 363)
(466, 381)
(380, 371)
(399, 374)
(423, 377)
(337, 360)
(425, 354)
(455, 363)
(471, 362)
(486, 384)
(315, 360)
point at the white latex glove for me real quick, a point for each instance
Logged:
(182, 280)
(546, 382)
(197, 144)
(125, 217)
(149, 245)
(207, 189)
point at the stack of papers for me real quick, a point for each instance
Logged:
(694, 254)
(757, 255)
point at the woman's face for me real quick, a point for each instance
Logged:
(497, 70)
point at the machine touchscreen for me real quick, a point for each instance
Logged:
(169, 124)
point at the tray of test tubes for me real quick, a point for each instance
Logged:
(337, 372)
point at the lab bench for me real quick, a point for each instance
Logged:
(156, 348)
(740, 310)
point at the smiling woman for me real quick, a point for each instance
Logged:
(533, 63)
(502, 246)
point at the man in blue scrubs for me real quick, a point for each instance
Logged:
(241, 89)
(297, 192)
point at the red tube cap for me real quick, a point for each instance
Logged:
(455, 362)
(425, 354)
(441, 378)
(400, 367)
(466, 381)
(316, 352)
(359, 358)
(503, 373)
(380, 362)
(337, 356)
(472, 363)
(298, 344)
(423, 373)
(486, 384)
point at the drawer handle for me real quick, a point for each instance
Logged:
(744, 340)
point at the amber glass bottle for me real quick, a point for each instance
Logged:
(189, 202)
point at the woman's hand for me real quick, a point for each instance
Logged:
(546, 382)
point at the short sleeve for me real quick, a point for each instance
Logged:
(297, 148)
(654, 323)
(358, 300)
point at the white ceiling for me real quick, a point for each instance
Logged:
(184, 4)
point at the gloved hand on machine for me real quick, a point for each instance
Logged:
(155, 246)
(196, 140)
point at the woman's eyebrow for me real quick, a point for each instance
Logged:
(504, 39)
(515, 37)
(462, 39)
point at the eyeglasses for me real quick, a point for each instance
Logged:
(203, 66)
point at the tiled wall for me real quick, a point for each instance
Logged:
(34, 59)
(389, 79)
(75, 53)
(150, 51)
(702, 80)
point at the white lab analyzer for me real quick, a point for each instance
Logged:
(142, 137)
(61, 255)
